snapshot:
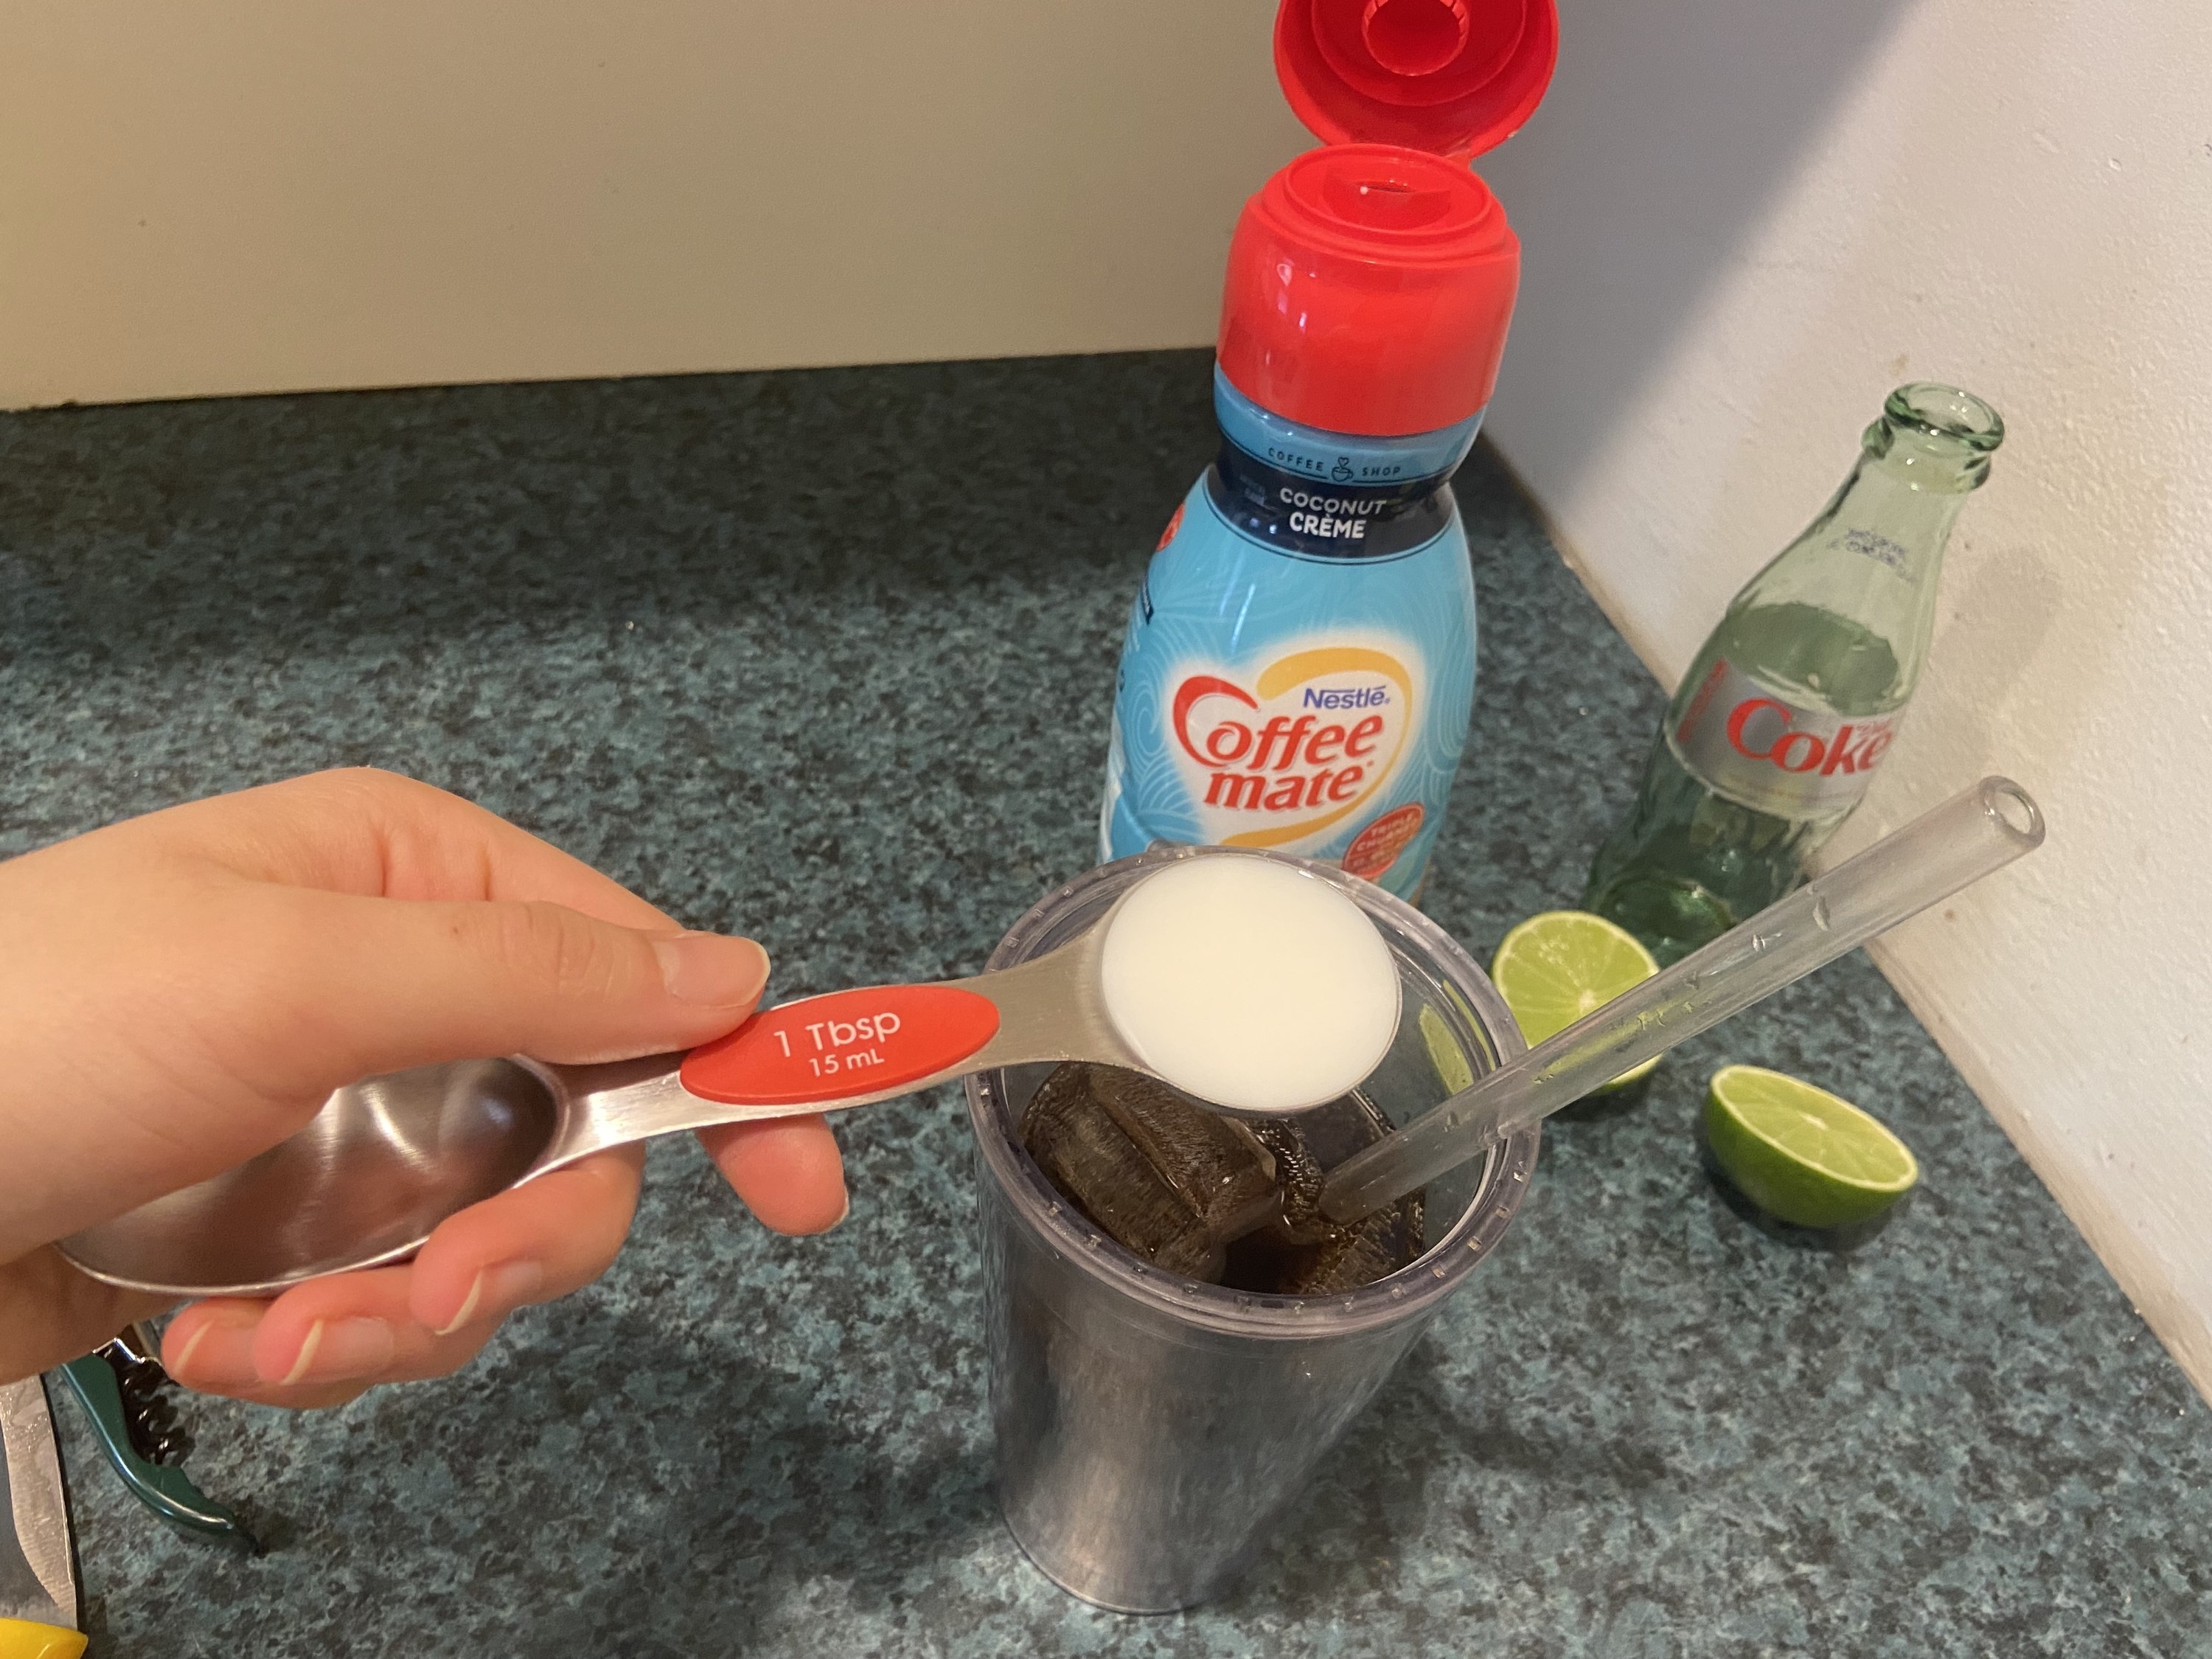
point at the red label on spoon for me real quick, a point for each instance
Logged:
(848, 1042)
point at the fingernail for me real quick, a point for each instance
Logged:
(842, 1213)
(336, 1349)
(217, 1361)
(496, 1292)
(214, 1357)
(184, 1359)
(712, 967)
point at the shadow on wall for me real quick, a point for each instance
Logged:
(1669, 131)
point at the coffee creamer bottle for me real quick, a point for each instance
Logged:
(1299, 665)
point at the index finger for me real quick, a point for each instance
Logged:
(378, 835)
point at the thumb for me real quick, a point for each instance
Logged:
(413, 982)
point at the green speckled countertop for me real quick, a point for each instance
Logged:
(859, 709)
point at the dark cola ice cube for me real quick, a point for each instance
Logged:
(1164, 1179)
(1210, 1197)
(1303, 1252)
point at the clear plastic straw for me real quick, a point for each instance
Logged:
(1929, 860)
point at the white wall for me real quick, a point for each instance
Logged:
(231, 195)
(1746, 219)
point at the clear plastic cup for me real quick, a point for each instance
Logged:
(1150, 1428)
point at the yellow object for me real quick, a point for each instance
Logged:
(1444, 1053)
(21, 1638)
(1801, 1154)
(1557, 966)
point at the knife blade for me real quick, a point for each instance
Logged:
(38, 1567)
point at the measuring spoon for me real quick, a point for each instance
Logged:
(1232, 974)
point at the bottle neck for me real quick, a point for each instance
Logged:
(1331, 494)
(1927, 450)
(1890, 516)
(1842, 615)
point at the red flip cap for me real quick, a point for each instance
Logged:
(1371, 281)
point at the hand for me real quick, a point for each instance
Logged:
(181, 991)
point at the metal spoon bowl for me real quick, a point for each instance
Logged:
(380, 1165)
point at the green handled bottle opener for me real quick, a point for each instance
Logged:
(117, 1384)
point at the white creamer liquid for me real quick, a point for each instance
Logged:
(1249, 984)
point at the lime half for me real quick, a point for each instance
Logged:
(1800, 1153)
(1557, 966)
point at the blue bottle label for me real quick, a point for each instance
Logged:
(1343, 518)
(1300, 661)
